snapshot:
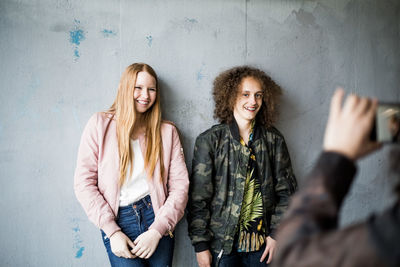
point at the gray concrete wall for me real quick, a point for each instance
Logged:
(61, 62)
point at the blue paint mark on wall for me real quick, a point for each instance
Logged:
(75, 37)
(149, 40)
(200, 74)
(77, 245)
(191, 20)
(76, 53)
(108, 33)
(189, 24)
(79, 253)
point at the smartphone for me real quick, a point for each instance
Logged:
(387, 123)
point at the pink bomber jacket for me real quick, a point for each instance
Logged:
(97, 175)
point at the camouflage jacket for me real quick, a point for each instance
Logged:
(217, 183)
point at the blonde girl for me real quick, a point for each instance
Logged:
(131, 178)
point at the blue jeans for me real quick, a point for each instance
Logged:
(239, 259)
(134, 220)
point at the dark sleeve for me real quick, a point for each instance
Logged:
(385, 233)
(285, 183)
(200, 193)
(307, 235)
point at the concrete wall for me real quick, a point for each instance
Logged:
(61, 62)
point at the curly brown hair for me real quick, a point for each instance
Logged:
(226, 88)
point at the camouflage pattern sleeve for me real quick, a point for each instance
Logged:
(200, 193)
(285, 182)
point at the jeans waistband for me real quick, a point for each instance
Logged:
(141, 203)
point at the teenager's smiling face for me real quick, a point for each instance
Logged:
(248, 100)
(145, 91)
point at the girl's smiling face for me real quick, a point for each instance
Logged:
(145, 92)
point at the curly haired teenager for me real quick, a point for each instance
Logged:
(131, 178)
(242, 176)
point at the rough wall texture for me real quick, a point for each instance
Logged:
(61, 62)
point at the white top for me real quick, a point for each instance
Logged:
(135, 187)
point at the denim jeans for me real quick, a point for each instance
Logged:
(134, 220)
(239, 259)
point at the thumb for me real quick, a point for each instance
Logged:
(130, 243)
(132, 246)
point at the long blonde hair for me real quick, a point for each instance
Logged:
(124, 111)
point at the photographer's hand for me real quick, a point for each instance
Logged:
(348, 128)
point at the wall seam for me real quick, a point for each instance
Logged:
(245, 32)
(120, 36)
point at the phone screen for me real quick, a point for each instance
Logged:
(388, 123)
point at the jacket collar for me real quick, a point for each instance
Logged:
(234, 128)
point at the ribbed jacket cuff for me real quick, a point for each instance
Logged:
(110, 228)
(338, 172)
(201, 246)
(160, 227)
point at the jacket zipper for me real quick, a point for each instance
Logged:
(219, 257)
(263, 193)
(227, 221)
(171, 235)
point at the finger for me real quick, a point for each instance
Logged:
(127, 254)
(144, 254)
(336, 101)
(130, 243)
(369, 117)
(136, 241)
(271, 254)
(264, 254)
(141, 252)
(350, 103)
(136, 249)
(133, 254)
(371, 112)
(363, 105)
(149, 254)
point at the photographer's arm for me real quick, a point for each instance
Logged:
(305, 236)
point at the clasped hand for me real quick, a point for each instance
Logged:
(143, 246)
(146, 244)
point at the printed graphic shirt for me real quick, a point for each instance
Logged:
(251, 234)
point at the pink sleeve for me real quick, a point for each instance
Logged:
(85, 180)
(178, 184)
